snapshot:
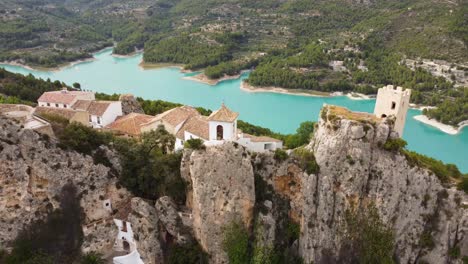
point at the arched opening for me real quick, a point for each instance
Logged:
(219, 132)
(384, 116)
(126, 246)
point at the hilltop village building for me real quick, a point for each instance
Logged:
(186, 123)
(79, 106)
(393, 101)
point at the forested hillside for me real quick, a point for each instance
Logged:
(319, 45)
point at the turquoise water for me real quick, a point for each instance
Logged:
(279, 112)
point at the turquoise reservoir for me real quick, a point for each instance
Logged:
(279, 112)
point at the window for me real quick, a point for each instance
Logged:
(56, 105)
(384, 116)
(64, 106)
(90, 119)
(48, 104)
(219, 132)
(98, 120)
(393, 105)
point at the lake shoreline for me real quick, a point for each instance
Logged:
(57, 68)
(451, 130)
(52, 69)
(246, 87)
(202, 78)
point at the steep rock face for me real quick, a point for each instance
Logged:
(130, 104)
(354, 171)
(144, 221)
(32, 173)
(222, 184)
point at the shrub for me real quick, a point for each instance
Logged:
(463, 184)
(307, 160)
(190, 253)
(395, 145)
(92, 258)
(368, 239)
(236, 243)
(426, 240)
(194, 143)
(442, 171)
(83, 139)
(149, 168)
(280, 155)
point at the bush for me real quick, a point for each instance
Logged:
(190, 253)
(443, 171)
(149, 167)
(280, 155)
(395, 145)
(92, 258)
(307, 160)
(236, 243)
(463, 184)
(83, 139)
(194, 143)
(368, 239)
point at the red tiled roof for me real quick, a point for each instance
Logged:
(197, 125)
(62, 97)
(177, 115)
(223, 114)
(97, 108)
(130, 124)
(62, 112)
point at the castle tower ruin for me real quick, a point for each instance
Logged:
(393, 101)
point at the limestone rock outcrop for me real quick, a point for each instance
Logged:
(33, 171)
(130, 104)
(222, 183)
(354, 171)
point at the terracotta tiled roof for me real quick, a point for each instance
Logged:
(62, 112)
(260, 138)
(130, 124)
(97, 108)
(62, 97)
(82, 105)
(197, 125)
(177, 115)
(223, 114)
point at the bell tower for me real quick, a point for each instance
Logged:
(393, 101)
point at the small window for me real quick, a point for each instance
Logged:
(393, 105)
(48, 104)
(99, 120)
(56, 105)
(64, 106)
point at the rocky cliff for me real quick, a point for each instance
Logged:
(355, 171)
(427, 219)
(33, 171)
(222, 184)
(269, 194)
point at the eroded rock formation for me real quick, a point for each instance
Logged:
(222, 184)
(354, 171)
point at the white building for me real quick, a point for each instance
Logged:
(100, 113)
(125, 242)
(63, 98)
(393, 101)
(186, 123)
(220, 127)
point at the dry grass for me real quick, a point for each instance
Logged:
(347, 114)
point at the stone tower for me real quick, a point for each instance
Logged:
(393, 101)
